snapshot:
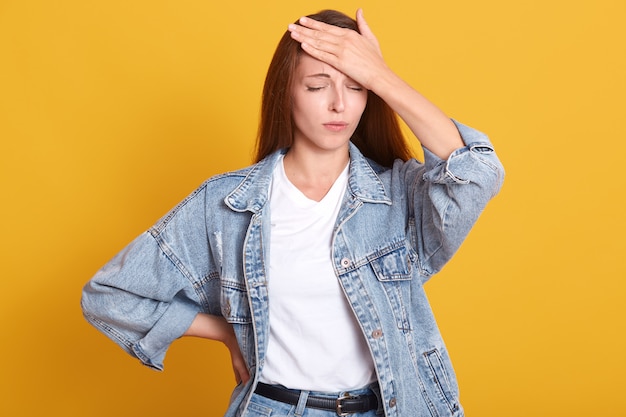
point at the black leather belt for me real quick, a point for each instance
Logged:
(344, 405)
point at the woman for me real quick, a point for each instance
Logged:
(309, 265)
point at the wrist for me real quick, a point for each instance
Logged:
(385, 82)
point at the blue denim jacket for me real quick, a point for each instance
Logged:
(396, 228)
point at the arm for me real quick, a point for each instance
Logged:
(449, 196)
(148, 295)
(359, 57)
(141, 301)
(217, 328)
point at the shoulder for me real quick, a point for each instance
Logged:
(245, 189)
(220, 185)
(208, 196)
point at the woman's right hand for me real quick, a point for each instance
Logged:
(242, 375)
(359, 57)
(217, 328)
(356, 55)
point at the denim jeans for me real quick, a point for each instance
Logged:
(264, 407)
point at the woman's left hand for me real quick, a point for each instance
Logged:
(356, 55)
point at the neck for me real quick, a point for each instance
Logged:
(314, 174)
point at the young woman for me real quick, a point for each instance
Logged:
(309, 265)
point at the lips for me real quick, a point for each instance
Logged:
(336, 126)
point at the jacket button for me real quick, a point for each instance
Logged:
(345, 262)
(392, 402)
(376, 334)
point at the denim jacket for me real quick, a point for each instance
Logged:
(396, 227)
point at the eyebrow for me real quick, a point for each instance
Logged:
(319, 75)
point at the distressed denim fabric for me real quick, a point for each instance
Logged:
(396, 228)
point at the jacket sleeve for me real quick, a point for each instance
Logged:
(149, 293)
(449, 195)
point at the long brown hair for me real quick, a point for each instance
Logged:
(378, 135)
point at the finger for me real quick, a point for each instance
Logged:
(243, 375)
(307, 22)
(303, 34)
(364, 28)
(315, 46)
(241, 371)
(328, 57)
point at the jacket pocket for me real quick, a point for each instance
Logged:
(440, 379)
(392, 268)
(234, 303)
(392, 263)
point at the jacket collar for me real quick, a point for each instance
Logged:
(253, 191)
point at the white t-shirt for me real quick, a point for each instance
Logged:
(315, 342)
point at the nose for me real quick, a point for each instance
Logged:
(337, 100)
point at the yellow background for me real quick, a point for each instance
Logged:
(113, 111)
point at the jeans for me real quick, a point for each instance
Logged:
(264, 407)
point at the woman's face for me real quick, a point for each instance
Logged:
(327, 106)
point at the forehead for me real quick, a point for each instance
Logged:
(309, 66)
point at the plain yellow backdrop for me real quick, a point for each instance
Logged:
(111, 112)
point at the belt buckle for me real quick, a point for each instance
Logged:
(339, 404)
